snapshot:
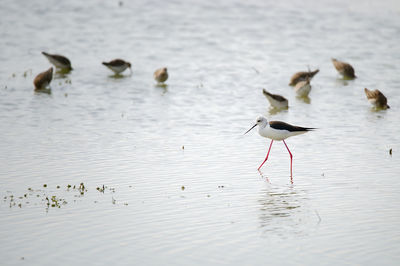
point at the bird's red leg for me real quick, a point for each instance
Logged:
(266, 158)
(291, 158)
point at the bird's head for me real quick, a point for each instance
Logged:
(260, 121)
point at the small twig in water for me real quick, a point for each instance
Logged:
(255, 69)
(319, 217)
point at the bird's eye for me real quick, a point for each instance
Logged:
(258, 121)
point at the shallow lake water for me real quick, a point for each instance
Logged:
(120, 171)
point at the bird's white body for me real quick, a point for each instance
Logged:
(302, 88)
(372, 101)
(277, 134)
(266, 131)
(118, 69)
(277, 104)
(56, 63)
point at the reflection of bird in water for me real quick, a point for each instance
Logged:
(376, 98)
(264, 177)
(303, 75)
(344, 69)
(277, 130)
(58, 61)
(43, 79)
(118, 65)
(303, 88)
(283, 211)
(276, 101)
(161, 75)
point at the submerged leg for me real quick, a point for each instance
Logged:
(266, 158)
(291, 158)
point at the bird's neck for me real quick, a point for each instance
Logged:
(263, 126)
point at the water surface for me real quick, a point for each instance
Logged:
(181, 185)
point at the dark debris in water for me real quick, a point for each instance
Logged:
(52, 199)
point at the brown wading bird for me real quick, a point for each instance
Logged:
(299, 76)
(276, 100)
(118, 65)
(376, 98)
(344, 69)
(58, 61)
(161, 75)
(43, 79)
(303, 88)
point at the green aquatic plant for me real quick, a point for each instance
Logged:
(101, 189)
(53, 201)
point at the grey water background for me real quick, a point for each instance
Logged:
(181, 179)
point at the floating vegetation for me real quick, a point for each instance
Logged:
(55, 202)
(53, 199)
(104, 188)
(29, 71)
(82, 189)
(101, 189)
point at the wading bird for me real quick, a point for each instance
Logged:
(303, 88)
(376, 98)
(118, 65)
(276, 100)
(58, 61)
(277, 130)
(161, 75)
(42, 80)
(345, 69)
(299, 76)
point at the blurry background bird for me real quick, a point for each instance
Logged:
(58, 61)
(161, 75)
(42, 80)
(344, 69)
(376, 98)
(118, 65)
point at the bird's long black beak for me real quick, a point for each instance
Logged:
(250, 129)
